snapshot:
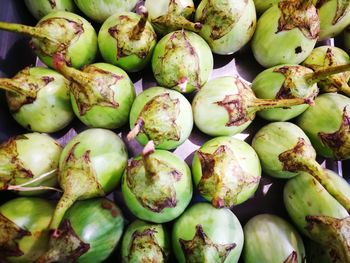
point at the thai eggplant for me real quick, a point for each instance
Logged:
(62, 33)
(226, 171)
(157, 186)
(38, 99)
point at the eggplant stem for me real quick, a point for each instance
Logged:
(136, 32)
(28, 188)
(136, 130)
(345, 89)
(322, 74)
(315, 169)
(26, 30)
(262, 104)
(178, 22)
(66, 201)
(150, 168)
(43, 176)
(12, 86)
(75, 75)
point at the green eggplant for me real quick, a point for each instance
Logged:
(24, 229)
(206, 234)
(271, 239)
(89, 232)
(226, 171)
(318, 213)
(145, 242)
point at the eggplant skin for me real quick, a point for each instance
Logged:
(99, 223)
(271, 239)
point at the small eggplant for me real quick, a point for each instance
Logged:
(62, 33)
(127, 40)
(285, 151)
(334, 17)
(206, 234)
(29, 162)
(24, 231)
(99, 10)
(101, 94)
(286, 33)
(41, 8)
(318, 213)
(89, 232)
(271, 239)
(182, 60)
(161, 115)
(91, 165)
(325, 57)
(171, 15)
(227, 24)
(157, 186)
(327, 125)
(226, 171)
(38, 99)
(292, 81)
(145, 242)
(226, 106)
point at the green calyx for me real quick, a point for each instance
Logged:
(332, 232)
(242, 106)
(145, 248)
(338, 141)
(175, 19)
(9, 236)
(23, 88)
(157, 120)
(90, 87)
(66, 31)
(327, 56)
(11, 167)
(78, 181)
(65, 246)
(341, 11)
(223, 179)
(182, 60)
(299, 14)
(202, 249)
(152, 181)
(219, 16)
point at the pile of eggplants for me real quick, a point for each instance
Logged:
(127, 140)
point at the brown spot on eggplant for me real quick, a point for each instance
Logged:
(299, 14)
(145, 248)
(52, 3)
(106, 204)
(10, 234)
(194, 250)
(159, 119)
(339, 141)
(47, 79)
(298, 50)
